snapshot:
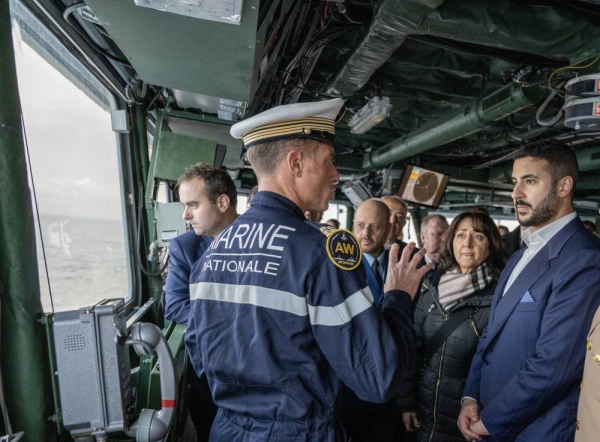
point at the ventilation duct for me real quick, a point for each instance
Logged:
(485, 112)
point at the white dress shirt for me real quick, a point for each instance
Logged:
(382, 263)
(428, 260)
(535, 241)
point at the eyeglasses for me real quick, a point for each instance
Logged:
(370, 227)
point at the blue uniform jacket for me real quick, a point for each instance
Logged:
(529, 361)
(184, 251)
(278, 328)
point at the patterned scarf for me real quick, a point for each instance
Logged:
(455, 286)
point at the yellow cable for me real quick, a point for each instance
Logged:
(569, 67)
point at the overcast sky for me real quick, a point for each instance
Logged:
(71, 143)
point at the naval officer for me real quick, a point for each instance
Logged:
(588, 415)
(281, 313)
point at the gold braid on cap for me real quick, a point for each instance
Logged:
(287, 129)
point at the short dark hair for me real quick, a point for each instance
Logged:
(217, 182)
(480, 209)
(481, 222)
(335, 222)
(561, 159)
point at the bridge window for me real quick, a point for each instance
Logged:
(75, 171)
(339, 212)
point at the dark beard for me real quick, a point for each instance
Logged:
(542, 213)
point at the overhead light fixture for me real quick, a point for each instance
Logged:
(371, 114)
(356, 192)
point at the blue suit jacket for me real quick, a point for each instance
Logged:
(529, 362)
(376, 291)
(184, 251)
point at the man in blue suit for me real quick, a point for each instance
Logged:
(371, 227)
(184, 251)
(209, 198)
(362, 420)
(525, 378)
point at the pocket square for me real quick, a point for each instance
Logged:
(527, 297)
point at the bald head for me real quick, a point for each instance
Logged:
(372, 226)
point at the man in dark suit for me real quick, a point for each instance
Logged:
(512, 241)
(433, 231)
(398, 213)
(371, 227)
(209, 199)
(184, 251)
(367, 421)
(524, 380)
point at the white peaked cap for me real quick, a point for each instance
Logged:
(299, 120)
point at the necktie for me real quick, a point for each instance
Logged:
(375, 267)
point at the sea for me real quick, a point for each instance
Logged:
(86, 262)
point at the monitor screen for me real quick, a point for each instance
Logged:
(422, 186)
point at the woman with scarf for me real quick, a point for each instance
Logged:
(451, 313)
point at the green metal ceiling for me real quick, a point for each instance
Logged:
(465, 77)
(186, 53)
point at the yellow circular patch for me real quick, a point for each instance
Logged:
(343, 249)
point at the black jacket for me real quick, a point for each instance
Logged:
(438, 403)
(512, 241)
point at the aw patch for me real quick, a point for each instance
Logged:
(343, 249)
